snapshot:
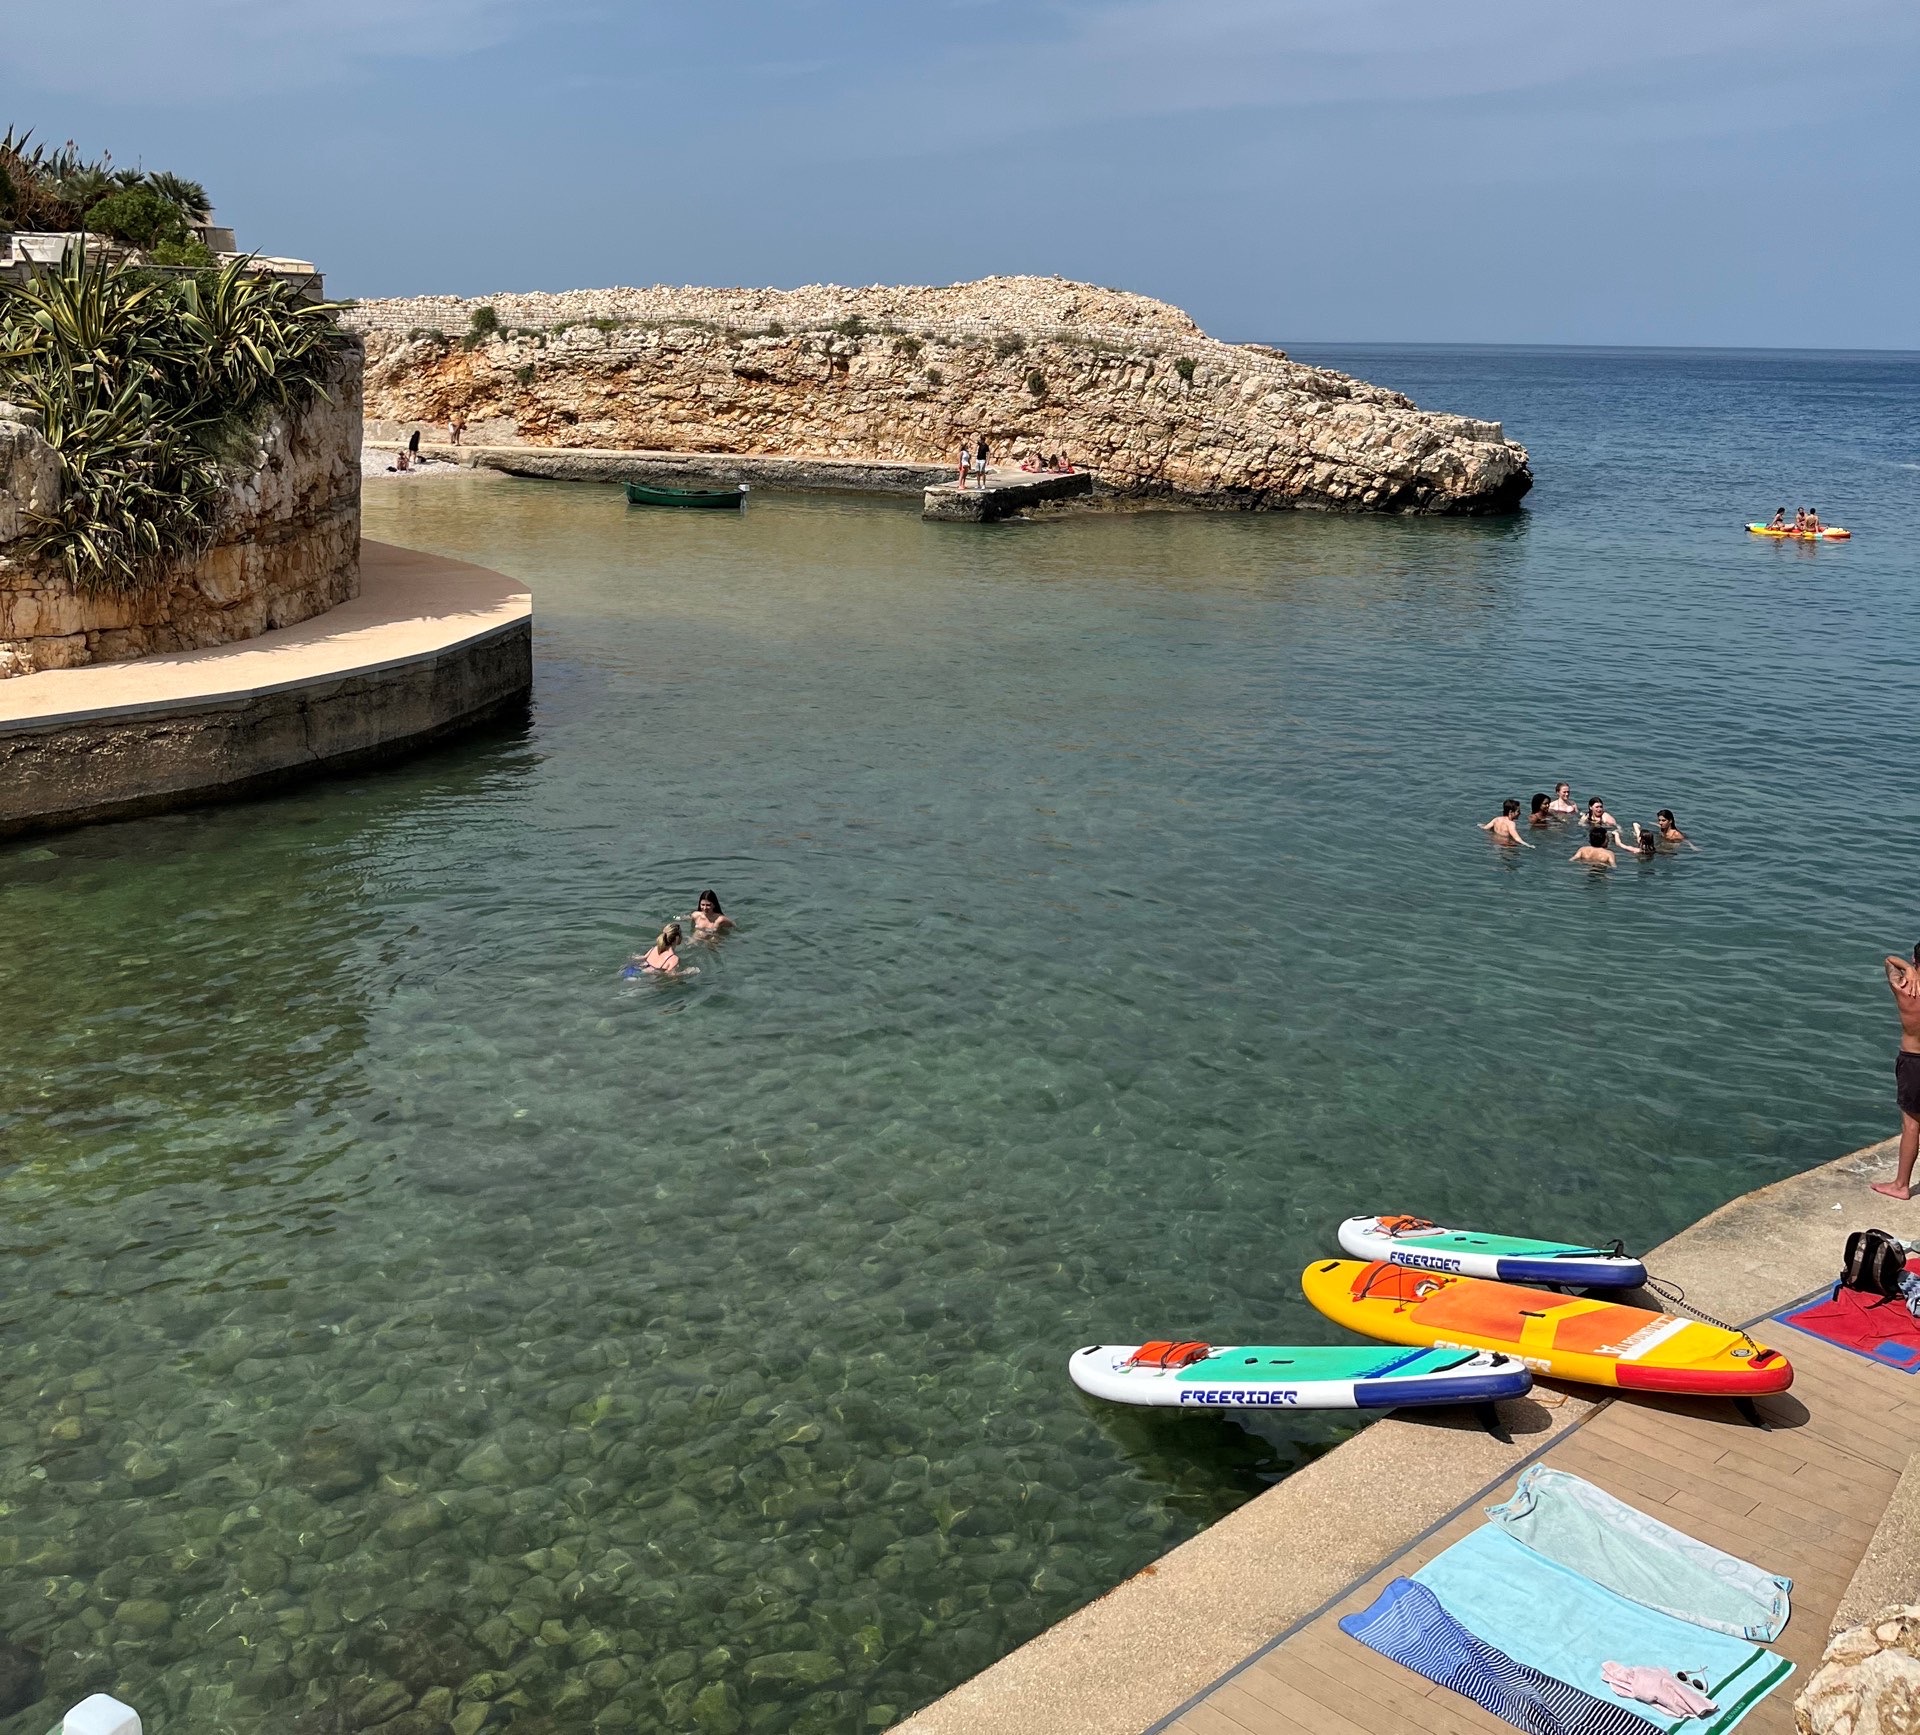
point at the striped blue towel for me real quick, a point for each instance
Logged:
(1407, 1623)
(1551, 1618)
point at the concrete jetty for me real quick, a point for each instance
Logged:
(429, 647)
(685, 469)
(1003, 493)
(1235, 1632)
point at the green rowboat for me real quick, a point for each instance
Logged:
(643, 494)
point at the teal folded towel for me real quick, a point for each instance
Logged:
(1583, 1527)
(1548, 1617)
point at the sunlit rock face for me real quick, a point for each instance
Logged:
(1126, 386)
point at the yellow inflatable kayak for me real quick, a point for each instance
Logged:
(1831, 534)
(1599, 1343)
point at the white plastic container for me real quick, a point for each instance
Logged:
(101, 1715)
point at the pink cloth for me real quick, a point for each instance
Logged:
(1661, 1688)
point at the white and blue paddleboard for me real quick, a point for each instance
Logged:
(1201, 1376)
(1425, 1246)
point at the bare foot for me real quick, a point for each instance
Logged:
(1893, 1189)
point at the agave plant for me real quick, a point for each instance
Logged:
(44, 188)
(149, 388)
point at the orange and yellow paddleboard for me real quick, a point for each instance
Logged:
(1599, 1343)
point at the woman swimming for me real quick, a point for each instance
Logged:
(708, 917)
(1670, 833)
(1561, 806)
(663, 960)
(1541, 815)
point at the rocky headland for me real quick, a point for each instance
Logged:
(1128, 387)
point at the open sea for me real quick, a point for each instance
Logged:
(406, 1323)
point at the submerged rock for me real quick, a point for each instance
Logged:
(22, 1681)
(330, 1462)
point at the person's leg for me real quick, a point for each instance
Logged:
(1901, 1186)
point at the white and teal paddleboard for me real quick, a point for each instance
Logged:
(1425, 1246)
(1200, 1376)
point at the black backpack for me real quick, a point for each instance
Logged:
(1874, 1264)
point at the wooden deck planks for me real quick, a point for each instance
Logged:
(1801, 1499)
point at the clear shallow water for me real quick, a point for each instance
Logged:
(404, 1317)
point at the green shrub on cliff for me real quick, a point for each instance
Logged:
(483, 324)
(44, 188)
(139, 216)
(152, 389)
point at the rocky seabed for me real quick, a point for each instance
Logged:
(1126, 386)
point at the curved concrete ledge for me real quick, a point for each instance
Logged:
(429, 647)
(1143, 1654)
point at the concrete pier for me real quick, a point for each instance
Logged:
(430, 647)
(1233, 1632)
(688, 469)
(1006, 492)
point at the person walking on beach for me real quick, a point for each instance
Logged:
(1903, 977)
(980, 460)
(1502, 825)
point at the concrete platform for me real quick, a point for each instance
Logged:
(1006, 492)
(1233, 1633)
(429, 647)
(688, 469)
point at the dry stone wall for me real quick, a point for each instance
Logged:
(1126, 386)
(286, 547)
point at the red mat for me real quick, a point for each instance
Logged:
(1882, 1331)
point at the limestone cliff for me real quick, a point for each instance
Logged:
(1126, 386)
(286, 546)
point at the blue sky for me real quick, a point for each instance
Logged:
(1688, 172)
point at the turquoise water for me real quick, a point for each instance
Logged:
(409, 1325)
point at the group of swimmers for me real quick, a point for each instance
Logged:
(1806, 521)
(709, 923)
(1603, 830)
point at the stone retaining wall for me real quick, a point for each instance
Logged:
(287, 547)
(431, 648)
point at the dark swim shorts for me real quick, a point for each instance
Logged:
(1906, 1079)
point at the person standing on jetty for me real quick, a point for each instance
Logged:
(1903, 977)
(966, 463)
(980, 460)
